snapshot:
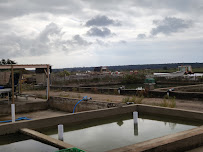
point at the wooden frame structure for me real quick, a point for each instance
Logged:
(18, 66)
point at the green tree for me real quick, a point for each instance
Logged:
(8, 61)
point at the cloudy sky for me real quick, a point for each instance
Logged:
(75, 33)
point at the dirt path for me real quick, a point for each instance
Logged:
(181, 104)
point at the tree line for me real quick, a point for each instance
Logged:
(5, 62)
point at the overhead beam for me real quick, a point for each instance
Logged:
(18, 66)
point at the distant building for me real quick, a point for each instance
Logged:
(185, 68)
(102, 69)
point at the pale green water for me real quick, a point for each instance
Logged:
(106, 134)
(22, 143)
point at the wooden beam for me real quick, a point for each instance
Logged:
(18, 66)
(12, 75)
(48, 83)
(44, 138)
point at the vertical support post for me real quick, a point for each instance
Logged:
(60, 132)
(13, 112)
(135, 118)
(8, 97)
(48, 82)
(12, 105)
(12, 76)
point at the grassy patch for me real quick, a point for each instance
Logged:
(135, 99)
(168, 102)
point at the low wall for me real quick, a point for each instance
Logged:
(176, 142)
(23, 108)
(179, 142)
(88, 115)
(177, 94)
(8, 128)
(67, 104)
(96, 90)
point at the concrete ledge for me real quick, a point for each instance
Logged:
(178, 142)
(45, 139)
(23, 108)
(67, 104)
(186, 114)
(65, 119)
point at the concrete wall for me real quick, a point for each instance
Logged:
(23, 108)
(179, 95)
(175, 142)
(8, 128)
(66, 104)
(88, 115)
(97, 90)
(179, 142)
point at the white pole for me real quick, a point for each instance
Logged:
(13, 112)
(135, 117)
(60, 132)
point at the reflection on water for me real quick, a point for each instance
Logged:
(22, 143)
(119, 131)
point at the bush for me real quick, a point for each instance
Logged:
(136, 100)
(168, 102)
(132, 78)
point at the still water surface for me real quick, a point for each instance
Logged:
(22, 143)
(106, 134)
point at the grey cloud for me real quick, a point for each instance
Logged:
(75, 42)
(180, 5)
(50, 30)
(100, 32)
(102, 21)
(170, 25)
(49, 39)
(10, 9)
(141, 36)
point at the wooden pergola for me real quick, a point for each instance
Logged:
(17, 66)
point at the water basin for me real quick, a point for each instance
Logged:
(106, 134)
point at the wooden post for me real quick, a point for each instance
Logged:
(12, 75)
(48, 82)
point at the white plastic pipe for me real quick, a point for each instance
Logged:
(60, 132)
(13, 112)
(168, 93)
(135, 117)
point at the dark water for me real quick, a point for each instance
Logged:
(134, 86)
(22, 143)
(106, 134)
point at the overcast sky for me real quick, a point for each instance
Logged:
(75, 33)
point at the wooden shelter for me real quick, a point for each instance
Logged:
(12, 67)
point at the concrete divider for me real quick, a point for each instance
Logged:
(96, 114)
(23, 108)
(67, 104)
(8, 128)
(178, 142)
(186, 114)
(45, 139)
